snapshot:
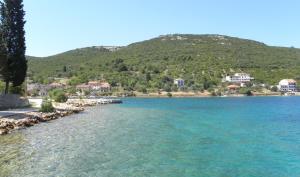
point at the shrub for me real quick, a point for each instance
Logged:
(61, 98)
(245, 91)
(16, 90)
(274, 89)
(169, 94)
(249, 93)
(47, 106)
(58, 96)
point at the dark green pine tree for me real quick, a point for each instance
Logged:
(13, 33)
(4, 64)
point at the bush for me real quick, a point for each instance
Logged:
(245, 91)
(58, 96)
(274, 89)
(169, 94)
(47, 106)
(61, 98)
(249, 93)
(19, 90)
(2, 86)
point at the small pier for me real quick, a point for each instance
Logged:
(109, 101)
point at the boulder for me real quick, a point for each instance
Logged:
(4, 131)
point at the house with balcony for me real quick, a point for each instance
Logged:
(238, 78)
(287, 85)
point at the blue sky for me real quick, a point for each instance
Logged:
(55, 26)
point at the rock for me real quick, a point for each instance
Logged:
(6, 125)
(4, 131)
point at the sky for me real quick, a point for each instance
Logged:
(55, 26)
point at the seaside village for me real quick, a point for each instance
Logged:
(92, 88)
(235, 84)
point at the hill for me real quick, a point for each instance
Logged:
(154, 63)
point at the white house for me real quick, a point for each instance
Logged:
(39, 89)
(94, 85)
(105, 87)
(239, 78)
(287, 85)
(98, 86)
(179, 82)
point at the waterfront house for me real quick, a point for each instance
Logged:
(94, 85)
(83, 87)
(105, 87)
(287, 85)
(100, 86)
(179, 82)
(238, 78)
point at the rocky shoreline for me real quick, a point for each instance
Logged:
(30, 119)
(20, 121)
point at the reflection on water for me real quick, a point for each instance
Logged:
(11, 153)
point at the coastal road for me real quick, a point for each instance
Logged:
(12, 112)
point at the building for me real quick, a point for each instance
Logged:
(287, 85)
(37, 89)
(179, 82)
(238, 78)
(83, 87)
(96, 86)
(56, 85)
(105, 87)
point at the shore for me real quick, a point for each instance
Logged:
(201, 94)
(18, 120)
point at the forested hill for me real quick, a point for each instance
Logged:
(153, 63)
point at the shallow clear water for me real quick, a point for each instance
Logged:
(258, 136)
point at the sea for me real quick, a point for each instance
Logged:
(162, 137)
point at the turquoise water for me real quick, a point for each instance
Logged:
(218, 137)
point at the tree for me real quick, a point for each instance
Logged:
(206, 84)
(4, 71)
(13, 60)
(148, 77)
(65, 69)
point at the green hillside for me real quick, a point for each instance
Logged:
(154, 63)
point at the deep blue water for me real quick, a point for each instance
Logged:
(218, 137)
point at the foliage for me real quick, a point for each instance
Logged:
(274, 89)
(12, 59)
(2, 86)
(246, 91)
(201, 60)
(169, 94)
(17, 90)
(58, 96)
(46, 106)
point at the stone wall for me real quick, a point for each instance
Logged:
(12, 101)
